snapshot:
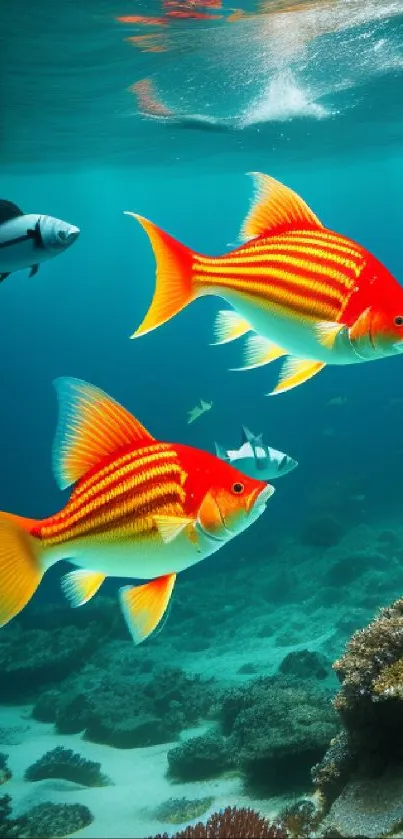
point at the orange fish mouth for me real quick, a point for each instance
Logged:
(219, 523)
(259, 497)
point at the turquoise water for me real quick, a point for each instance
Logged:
(312, 96)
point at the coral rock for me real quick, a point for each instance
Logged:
(51, 821)
(199, 758)
(66, 764)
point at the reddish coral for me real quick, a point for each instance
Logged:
(233, 823)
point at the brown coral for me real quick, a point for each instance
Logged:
(233, 823)
(390, 681)
(372, 659)
(370, 704)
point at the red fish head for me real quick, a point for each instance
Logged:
(231, 505)
(378, 331)
(223, 515)
(222, 499)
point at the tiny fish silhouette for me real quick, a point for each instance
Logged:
(198, 411)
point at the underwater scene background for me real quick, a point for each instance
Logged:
(247, 697)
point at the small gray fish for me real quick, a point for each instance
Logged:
(257, 459)
(198, 410)
(28, 240)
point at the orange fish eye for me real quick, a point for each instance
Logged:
(238, 488)
(399, 320)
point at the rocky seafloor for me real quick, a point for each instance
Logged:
(252, 696)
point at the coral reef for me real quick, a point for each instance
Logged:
(277, 729)
(199, 758)
(302, 818)
(232, 823)
(332, 773)
(304, 664)
(361, 774)
(30, 659)
(66, 764)
(370, 699)
(99, 700)
(51, 821)
(370, 807)
(5, 773)
(10, 828)
(182, 810)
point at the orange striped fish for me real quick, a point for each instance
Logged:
(306, 292)
(139, 508)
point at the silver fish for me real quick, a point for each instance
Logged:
(28, 240)
(257, 459)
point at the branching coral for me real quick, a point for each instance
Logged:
(64, 763)
(233, 823)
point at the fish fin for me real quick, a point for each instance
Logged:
(174, 287)
(229, 326)
(91, 426)
(34, 270)
(261, 462)
(295, 371)
(20, 565)
(259, 351)
(8, 210)
(247, 436)
(4, 275)
(274, 209)
(169, 527)
(327, 332)
(144, 606)
(221, 452)
(79, 586)
(206, 405)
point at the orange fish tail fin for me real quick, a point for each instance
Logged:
(174, 287)
(20, 564)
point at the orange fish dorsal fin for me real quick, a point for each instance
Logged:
(91, 426)
(275, 208)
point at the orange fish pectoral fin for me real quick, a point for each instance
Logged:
(296, 371)
(80, 586)
(327, 332)
(259, 351)
(143, 607)
(229, 326)
(174, 287)
(91, 426)
(275, 208)
(169, 527)
(20, 567)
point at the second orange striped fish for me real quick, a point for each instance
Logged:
(139, 508)
(306, 292)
